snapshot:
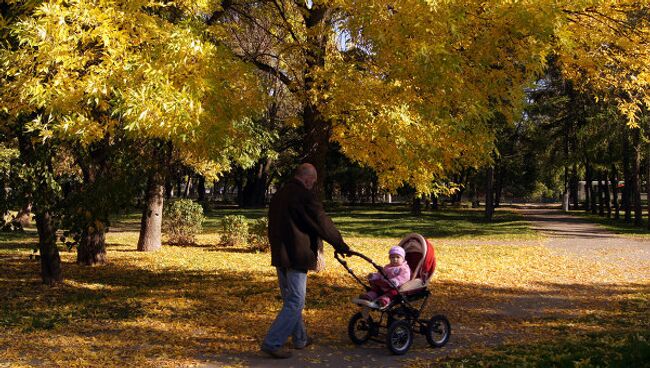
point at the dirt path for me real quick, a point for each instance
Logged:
(565, 234)
(577, 237)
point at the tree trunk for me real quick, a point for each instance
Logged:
(627, 175)
(594, 200)
(169, 188)
(434, 203)
(636, 177)
(608, 202)
(4, 208)
(151, 221)
(601, 196)
(574, 186)
(179, 185)
(587, 206)
(498, 188)
(614, 180)
(257, 182)
(201, 189)
(50, 259)
(474, 190)
(416, 206)
(188, 187)
(316, 144)
(92, 245)
(317, 127)
(648, 185)
(565, 192)
(489, 200)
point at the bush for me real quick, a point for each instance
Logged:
(182, 220)
(258, 239)
(234, 230)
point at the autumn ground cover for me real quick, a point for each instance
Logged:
(510, 300)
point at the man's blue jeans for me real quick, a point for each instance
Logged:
(293, 288)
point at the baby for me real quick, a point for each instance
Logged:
(398, 272)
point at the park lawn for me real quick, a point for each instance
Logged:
(187, 305)
(384, 221)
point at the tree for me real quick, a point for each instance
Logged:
(117, 70)
(456, 64)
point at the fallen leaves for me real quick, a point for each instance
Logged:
(182, 305)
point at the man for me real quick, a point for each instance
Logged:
(297, 226)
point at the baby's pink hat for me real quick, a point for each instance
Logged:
(397, 250)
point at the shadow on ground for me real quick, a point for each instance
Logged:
(115, 309)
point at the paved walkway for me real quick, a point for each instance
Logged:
(569, 235)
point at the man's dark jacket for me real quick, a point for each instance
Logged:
(297, 223)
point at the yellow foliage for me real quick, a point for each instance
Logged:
(91, 67)
(604, 47)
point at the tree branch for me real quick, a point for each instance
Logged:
(286, 21)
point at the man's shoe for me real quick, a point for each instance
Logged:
(277, 354)
(309, 341)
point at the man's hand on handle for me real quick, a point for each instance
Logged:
(344, 250)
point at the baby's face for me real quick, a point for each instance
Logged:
(395, 259)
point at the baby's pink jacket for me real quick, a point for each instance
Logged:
(397, 275)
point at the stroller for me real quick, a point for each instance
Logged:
(400, 318)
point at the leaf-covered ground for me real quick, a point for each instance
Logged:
(511, 301)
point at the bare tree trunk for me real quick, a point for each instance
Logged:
(636, 176)
(614, 180)
(601, 195)
(489, 200)
(179, 185)
(50, 259)
(374, 189)
(434, 203)
(608, 202)
(565, 189)
(257, 182)
(416, 205)
(201, 189)
(574, 186)
(498, 188)
(317, 126)
(647, 190)
(588, 180)
(627, 177)
(169, 188)
(151, 221)
(92, 246)
(188, 186)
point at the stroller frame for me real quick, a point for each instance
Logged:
(397, 321)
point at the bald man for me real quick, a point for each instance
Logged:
(297, 226)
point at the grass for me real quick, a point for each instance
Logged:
(183, 306)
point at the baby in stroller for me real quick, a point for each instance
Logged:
(397, 271)
(400, 318)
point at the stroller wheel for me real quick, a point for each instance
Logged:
(399, 337)
(438, 331)
(360, 328)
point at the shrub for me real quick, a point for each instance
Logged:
(258, 239)
(182, 220)
(234, 230)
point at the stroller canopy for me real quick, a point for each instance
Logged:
(420, 256)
